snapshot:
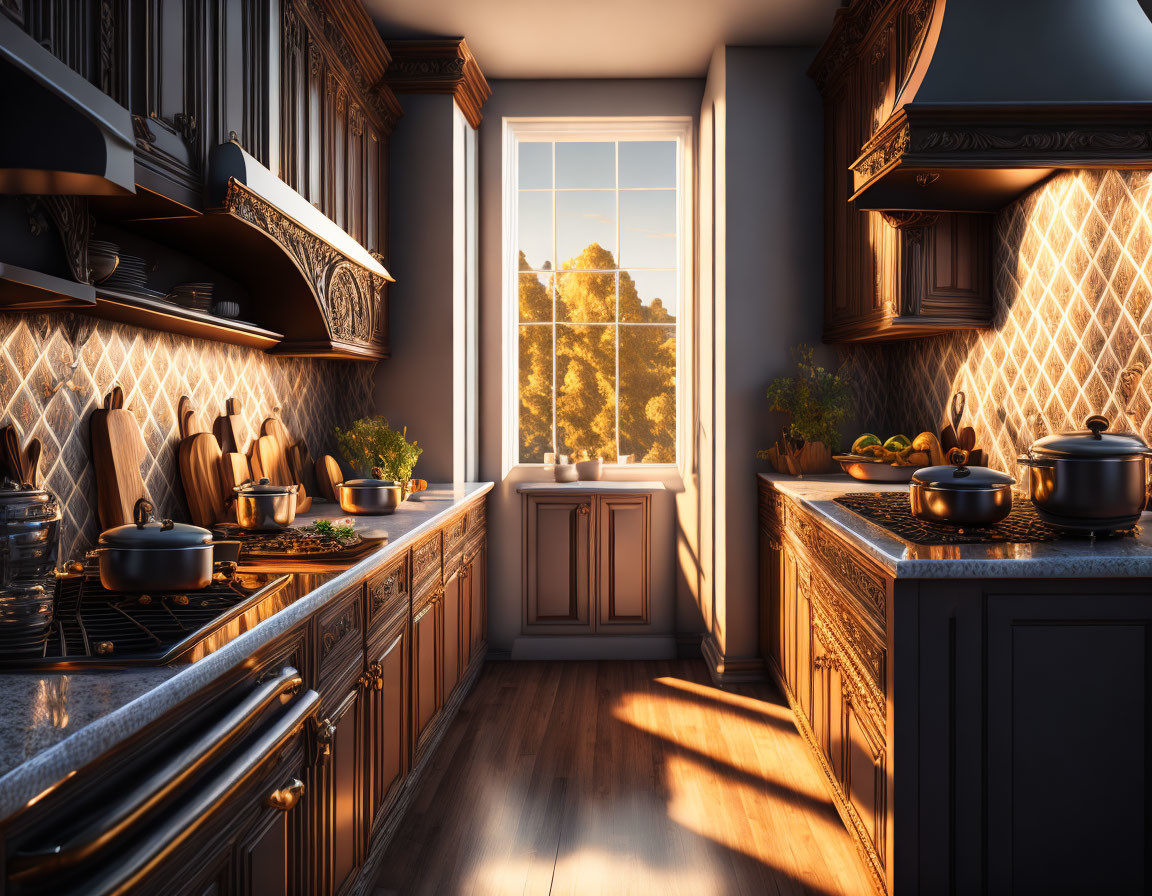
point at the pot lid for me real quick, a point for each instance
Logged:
(1092, 442)
(149, 533)
(12, 492)
(956, 475)
(266, 487)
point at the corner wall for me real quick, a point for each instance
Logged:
(760, 293)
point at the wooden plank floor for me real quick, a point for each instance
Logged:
(621, 778)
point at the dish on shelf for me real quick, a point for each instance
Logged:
(868, 470)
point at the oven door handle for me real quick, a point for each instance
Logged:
(127, 871)
(163, 781)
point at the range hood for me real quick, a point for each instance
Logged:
(1000, 93)
(61, 134)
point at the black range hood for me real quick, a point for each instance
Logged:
(1001, 93)
(61, 134)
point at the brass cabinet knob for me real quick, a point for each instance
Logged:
(364, 681)
(287, 796)
(376, 673)
(325, 732)
(583, 509)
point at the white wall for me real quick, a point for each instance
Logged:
(558, 98)
(760, 292)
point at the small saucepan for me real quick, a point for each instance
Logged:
(155, 555)
(958, 495)
(263, 507)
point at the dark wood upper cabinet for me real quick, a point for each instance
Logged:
(894, 274)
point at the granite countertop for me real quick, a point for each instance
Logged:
(1075, 557)
(53, 724)
(591, 487)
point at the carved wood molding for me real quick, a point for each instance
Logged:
(851, 26)
(349, 295)
(1078, 141)
(440, 66)
(848, 813)
(839, 563)
(70, 215)
(424, 556)
(881, 152)
(336, 630)
(861, 660)
(388, 588)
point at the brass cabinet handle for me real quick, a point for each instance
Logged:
(365, 680)
(376, 674)
(287, 796)
(325, 731)
(583, 509)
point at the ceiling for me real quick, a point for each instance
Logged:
(604, 38)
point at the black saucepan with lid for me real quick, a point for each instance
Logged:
(1089, 481)
(155, 555)
(958, 495)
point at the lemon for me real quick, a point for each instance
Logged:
(864, 441)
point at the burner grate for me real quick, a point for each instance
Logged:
(891, 511)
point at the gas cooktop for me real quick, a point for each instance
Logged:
(891, 511)
(96, 628)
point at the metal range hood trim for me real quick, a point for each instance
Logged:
(229, 162)
(998, 96)
(61, 117)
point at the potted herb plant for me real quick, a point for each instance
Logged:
(373, 448)
(817, 401)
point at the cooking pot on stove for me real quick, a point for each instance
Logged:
(155, 555)
(959, 495)
(29, 534)
(1089, 481)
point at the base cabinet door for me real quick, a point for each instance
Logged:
(453, 603)
(426, 665)
(387, 711)
(827, 703)
(339, 777)
(558, 563)
(622, 548)
(478, 601)
(865, 772)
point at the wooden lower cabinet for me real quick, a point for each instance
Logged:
(454, 660)
(427, 646)
(339, 777)
(387, 710)
(477, 602)
(587, 563)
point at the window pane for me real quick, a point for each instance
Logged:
(535, 165)
(585, 221)
(586, 390)
(647, 163)
(648, 393)
(586, 297)
(535, 237)
(648, 296)
(586, 165)
(535, 392)
(535, 298)
(648, 229)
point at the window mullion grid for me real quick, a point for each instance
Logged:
(555, 287)
(617, 317)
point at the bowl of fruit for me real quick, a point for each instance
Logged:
(892, 460)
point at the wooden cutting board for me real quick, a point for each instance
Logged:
(117, 452)
(199, 456)
(287, 456)
(273, 463)
(231, 429)
(328, 476)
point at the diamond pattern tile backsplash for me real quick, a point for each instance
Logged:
(1072, 332)
(55, 369)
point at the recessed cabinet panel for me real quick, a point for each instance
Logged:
(559, 561)
(425, 665)
(387, 717)
(452, 628)
(623, 549)
(478, 599)
(865, 774)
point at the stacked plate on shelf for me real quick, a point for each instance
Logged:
(131, 276)
(197, 296)
(103, 259)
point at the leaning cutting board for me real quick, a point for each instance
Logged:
(117, 452)
(328, 476)
(199, 456)
(231, 429)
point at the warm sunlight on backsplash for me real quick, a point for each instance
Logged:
(1073, 314)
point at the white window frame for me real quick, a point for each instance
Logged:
(607, 129)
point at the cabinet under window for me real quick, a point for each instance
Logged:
(594, 233)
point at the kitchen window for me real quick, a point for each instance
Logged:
(595, 248)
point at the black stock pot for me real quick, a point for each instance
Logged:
(959, 495)
(1089, 481)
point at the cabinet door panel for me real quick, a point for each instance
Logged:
(622, 585)
(388, 718)
(478, 599)
(343, 826)
(425, 661)
(865, 772)
(558, 556)
(452, 628)
(803, 640)
(262, 857)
